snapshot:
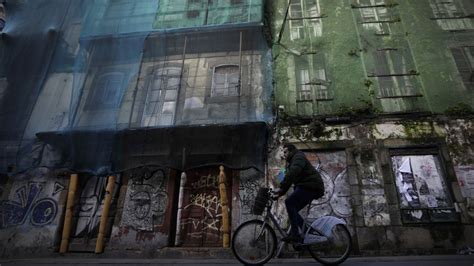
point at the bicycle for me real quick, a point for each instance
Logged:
(254, 242)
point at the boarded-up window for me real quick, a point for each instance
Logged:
(393, 74)
(106, 91)
(160, 105)
(304, 19)
(451, 15)
(225, 81)
(423, 193)
(464, 58)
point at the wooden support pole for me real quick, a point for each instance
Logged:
(68, 217)
(99, 247)
(224, 207)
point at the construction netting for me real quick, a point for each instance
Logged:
(77, 76)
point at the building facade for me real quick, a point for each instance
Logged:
(379, 94)
(143, 101)
(153, 113)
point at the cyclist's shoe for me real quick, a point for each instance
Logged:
(292, 239)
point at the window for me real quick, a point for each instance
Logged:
(304, 87)
(225, 81)
(304, 19)
(311, 75)
(193, 14)
(375, 16)
(423, 193)
(394, 77)
(464, 58)
(160, 105)
(120, 9)
(450, 15)
(106, 91)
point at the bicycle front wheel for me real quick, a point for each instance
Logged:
(335, 249)
(254, 242)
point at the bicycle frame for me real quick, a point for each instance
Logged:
(318, 236)
(322, 225)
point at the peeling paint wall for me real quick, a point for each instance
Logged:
(399, 173)
(344, 62)
(337, 197)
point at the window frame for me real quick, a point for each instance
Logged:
(213, 84)
(299, 23)
(390, 74)
(381, 26)
(97, 98)
(314, 85)
(468, 59)
(454, 20)
(160, 102)
(428, 214)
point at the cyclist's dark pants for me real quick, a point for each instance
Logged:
(294, 203)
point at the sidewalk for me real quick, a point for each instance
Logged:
(458, 260)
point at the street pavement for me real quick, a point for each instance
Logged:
(438, 260)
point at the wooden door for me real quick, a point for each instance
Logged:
(201, 219)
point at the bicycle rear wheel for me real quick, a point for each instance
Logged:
(254, 242)
(335, 249)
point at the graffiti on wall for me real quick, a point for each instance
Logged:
(30, 203)
(249, 185)
(146, 200)
(210, 224)
(333, 169)
(90, 205)
(201, 216)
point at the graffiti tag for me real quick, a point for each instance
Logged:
(40, 211)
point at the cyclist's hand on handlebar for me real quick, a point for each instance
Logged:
(275, 194)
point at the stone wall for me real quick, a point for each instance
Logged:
(409, 182)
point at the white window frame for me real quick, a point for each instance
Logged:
(304, 88)
(445, 12)
(302, 16)
(231, 87)
(161, 98)
(372, 13)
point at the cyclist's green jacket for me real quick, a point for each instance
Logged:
(301, 173)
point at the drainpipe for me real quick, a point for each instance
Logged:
(180, 208)
(225, 209)
(239, 88)
(68, 218)
(99, 248)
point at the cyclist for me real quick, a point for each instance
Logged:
(308, 185)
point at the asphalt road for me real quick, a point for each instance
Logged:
(449, 260)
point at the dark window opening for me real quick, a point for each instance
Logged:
(106, 91)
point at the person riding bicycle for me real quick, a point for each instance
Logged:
(308, 185)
